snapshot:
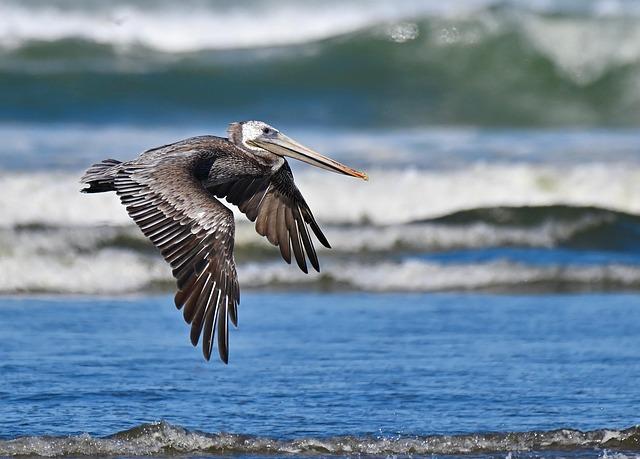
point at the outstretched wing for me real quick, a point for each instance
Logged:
(194, 232)
(280, 212)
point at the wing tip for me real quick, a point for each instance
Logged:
(206, 354)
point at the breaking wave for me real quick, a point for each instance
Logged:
(118, 272)
(553, 248)
(478, 62)
(425, 276)
(203, 25)
(500, 227)
(224, 25)
(390, 197)
(166, 439)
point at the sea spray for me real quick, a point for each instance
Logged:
(165, 439)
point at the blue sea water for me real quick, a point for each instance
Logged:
(321, 366)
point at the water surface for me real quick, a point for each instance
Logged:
(319, 366)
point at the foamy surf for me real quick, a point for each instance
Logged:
(390, 197)
(209, 25)
(543, 248)
(168, 440)
(116, 272)
(125, 23)
(200, 26)
(579, 51)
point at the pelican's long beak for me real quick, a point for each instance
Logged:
(282, 145)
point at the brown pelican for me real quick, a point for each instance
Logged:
(170, 192)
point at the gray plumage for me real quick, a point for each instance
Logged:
(171, 194)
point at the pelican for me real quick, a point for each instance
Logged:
(173, 194)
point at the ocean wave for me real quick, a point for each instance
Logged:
(530, 226)
(165, 439)
(206, 25)
(221, 25)
(29, 269)
(581, 228)
(456, 66)
(390, 197)
(54, 239)
(555, 225)
(426, 276)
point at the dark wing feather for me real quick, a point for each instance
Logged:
(194, 233)
(280, 212)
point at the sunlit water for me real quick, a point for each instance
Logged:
(323, 365)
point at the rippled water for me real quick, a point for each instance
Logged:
(317, 366)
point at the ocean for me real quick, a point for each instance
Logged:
(480, 298)
(354, 373)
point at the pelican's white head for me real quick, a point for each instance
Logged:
(268, 143)
(245, 133)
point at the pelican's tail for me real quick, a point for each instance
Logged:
(100, 176)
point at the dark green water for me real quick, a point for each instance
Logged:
(353, 64)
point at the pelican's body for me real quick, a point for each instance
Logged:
(171, 193)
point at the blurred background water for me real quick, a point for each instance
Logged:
(502, 139)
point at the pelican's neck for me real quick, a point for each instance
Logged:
(234, 132)
(261, 156)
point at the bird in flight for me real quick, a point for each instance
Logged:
(172, 193)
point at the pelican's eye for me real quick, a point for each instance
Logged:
(266, 130)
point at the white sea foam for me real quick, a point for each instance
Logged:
(108, 271)
(116, 259)
(438, 236)
(391, 196)
(166, 439)
(584, 49)
(117, 271)
(54, 198)
(208, 25)
(202, 26)
(401, 196)
(423, 276)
